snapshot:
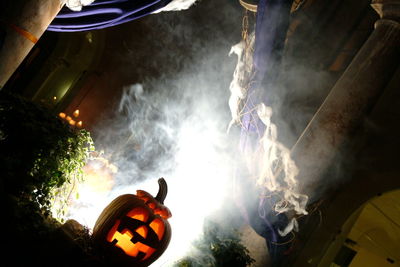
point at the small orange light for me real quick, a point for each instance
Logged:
(76, 113)
(68, 118)
(79, 123)
(62, 115)
(72, 122)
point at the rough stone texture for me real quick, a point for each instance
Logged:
(349, 101)
(256, 245)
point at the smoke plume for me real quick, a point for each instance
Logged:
(172, 124)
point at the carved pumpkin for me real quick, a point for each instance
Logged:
(133, 229)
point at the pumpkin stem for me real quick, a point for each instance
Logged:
(162, 190)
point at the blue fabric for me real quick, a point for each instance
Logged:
(271, 26)
(272, 22)
(103, 14)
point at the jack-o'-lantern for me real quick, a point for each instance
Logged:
(133, 229)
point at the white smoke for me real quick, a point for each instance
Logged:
(240, 81)
(278, 171)
(272, 163)
(172, 127)
(176, 5)
(76, 5)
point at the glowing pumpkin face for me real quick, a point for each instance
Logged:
(135, 233)
(133, 229)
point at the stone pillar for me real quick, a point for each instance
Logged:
(23, 22)
(349, 101)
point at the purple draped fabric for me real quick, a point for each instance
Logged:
(271, 26)
(103, 14)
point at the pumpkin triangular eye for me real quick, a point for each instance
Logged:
(139, 214)
(142, 230)
(158, 227)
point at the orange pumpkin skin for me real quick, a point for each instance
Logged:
(133, 230)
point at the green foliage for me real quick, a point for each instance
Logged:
(74, 153)
(219, 247)
(39, 154)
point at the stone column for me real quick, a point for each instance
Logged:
(23, 22)
(349, 101)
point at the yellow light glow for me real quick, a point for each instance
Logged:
(68, 118)
(79, 124)
(138, 214)
(76, 113)
(91, 195)
(72, 122)
(124, 242)
(98, 175)
(62, 115)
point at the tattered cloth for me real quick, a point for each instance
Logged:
(103, 14)
(272, 22)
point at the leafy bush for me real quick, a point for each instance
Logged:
(39, 153)
(219, 247)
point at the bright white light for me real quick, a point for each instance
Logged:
(196, 187)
